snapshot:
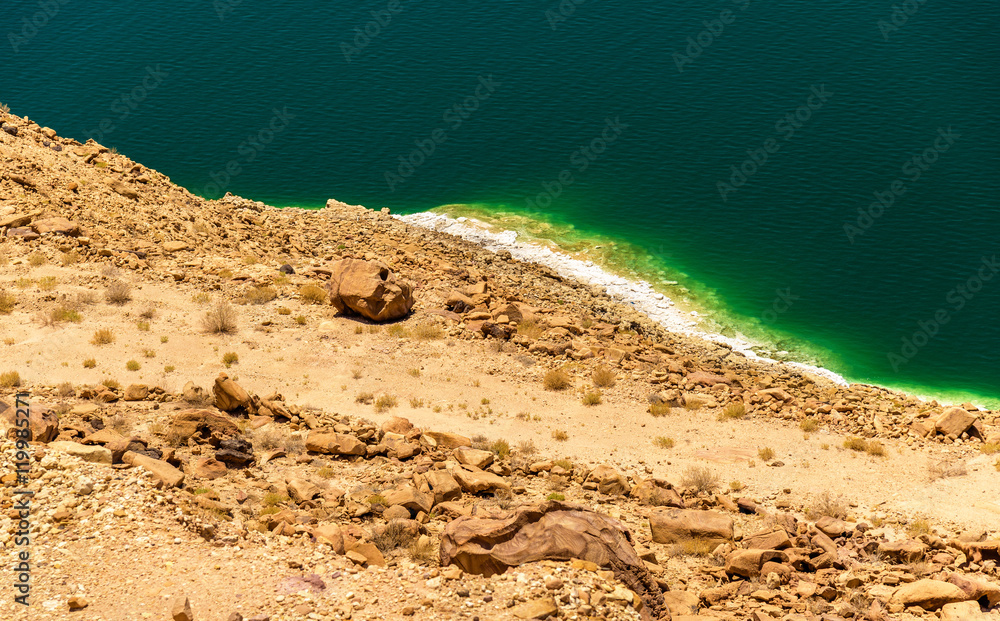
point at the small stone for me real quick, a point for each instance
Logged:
(181, 610)
(78, 602)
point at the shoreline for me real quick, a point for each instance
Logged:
(642, 296)
(639, 294)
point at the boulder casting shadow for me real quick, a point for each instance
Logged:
(551, 530)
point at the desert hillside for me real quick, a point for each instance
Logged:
(224, 425)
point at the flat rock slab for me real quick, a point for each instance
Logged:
(95, 454)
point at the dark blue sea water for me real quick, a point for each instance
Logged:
(823, 175)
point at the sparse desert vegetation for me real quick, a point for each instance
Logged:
(556, 379)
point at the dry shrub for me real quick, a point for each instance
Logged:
(104, 336)
(592, 398)
(560, 436)
(118, 292)
(604, 376)
(700, 479)
(220, 320)
(809, 425)
(428, 331)
(69, 258)
(385, 403)
(556, 379)
(693, 404)
(7, 302)
(424, 551)
(10, 379)
(659, 409)
(394, 535)
(364, 397)
(500, 448)
(945, 468)
(733, 411)
(766, 453)
(65, 389)
(530, 328)
(875, 448)
(259, 295)
(828, 505)
(120, 424)
(526, 448)
(312, 294)
(663, 442)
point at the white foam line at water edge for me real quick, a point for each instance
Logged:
(637, 293)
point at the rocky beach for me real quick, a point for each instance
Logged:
(221, 410)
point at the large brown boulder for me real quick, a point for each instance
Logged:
(369, 289)
(609, 481)
(229, 395)
(657, 493)
(954, 422)
(334, 443)
(679, 525)
(928, 594)
(550, 531)
(43, 423)
(202, 425)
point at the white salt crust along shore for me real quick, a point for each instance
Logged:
(637, 293)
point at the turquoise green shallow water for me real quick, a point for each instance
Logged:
(727, 146)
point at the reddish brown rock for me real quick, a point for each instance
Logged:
(43, 423)
(609, 481)
(928, 594)
(201, 425)
(206, 468)
(370, 289)
(553, 531)
(334, 444)
(657, 493)
(678, 525)
(229, 395)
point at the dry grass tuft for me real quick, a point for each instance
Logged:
(556, 379)
(560, 436)
(766, 453)
(809, 425)
(104, 336)
(424, 551)
(733, 411)
(364, 397)
(118, 292)
(659, 409)
(230, 358)
(663, 442)
(592, 398)
(700, 479)
(946, 468)
(10, 379)
(428, 331)
(258, 295)
(500, 448)
(312, 294)
(89, 363)
(385, 403)
(394, 535)
(827, 505)
(7, 302)
(220, 320)
(604, 376)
